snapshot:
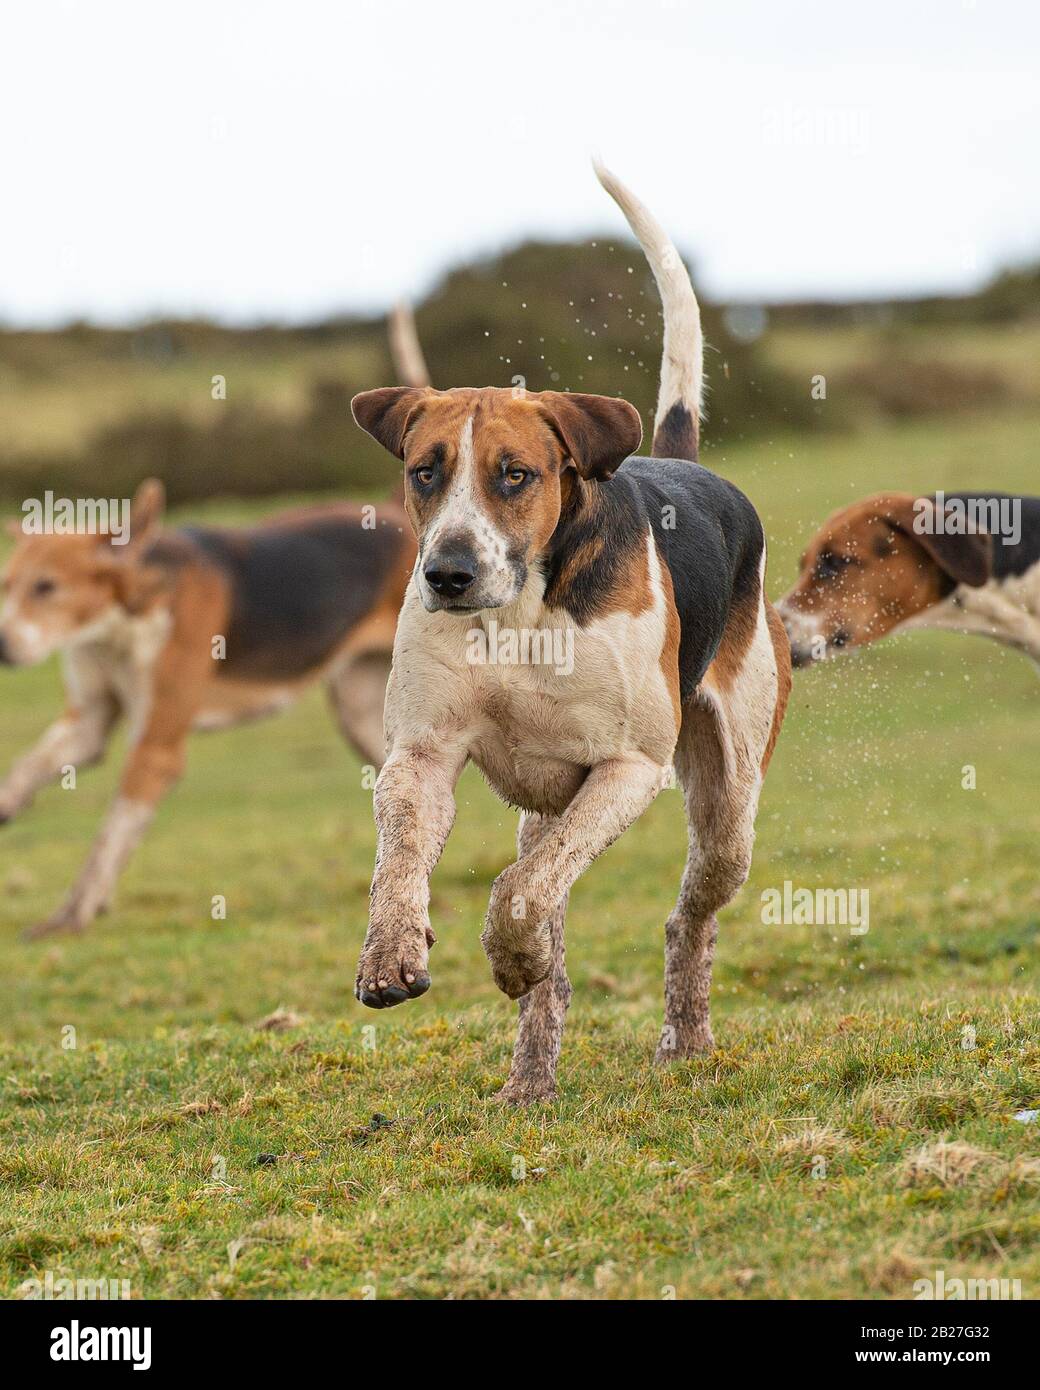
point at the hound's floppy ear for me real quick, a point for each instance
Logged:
(964, 558)
(387, 413)
(146, 512)
(598, 432)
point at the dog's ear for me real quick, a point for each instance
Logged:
(146, 513)
(388, 413)
(598, 432)
(964, 558)
(124, 562)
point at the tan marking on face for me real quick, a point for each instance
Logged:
(474, 442)
(860, 578)
(55, 588)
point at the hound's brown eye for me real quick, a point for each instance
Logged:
(424, 475)
(829, 565)
(515, 476)
(43, 587)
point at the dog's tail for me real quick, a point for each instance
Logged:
(409, 362)
(677, 422)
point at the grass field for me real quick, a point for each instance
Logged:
(843, 1140)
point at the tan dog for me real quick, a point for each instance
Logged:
(200, 628)
(963, 562)
(537, 532)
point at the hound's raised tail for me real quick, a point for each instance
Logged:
(677, 422)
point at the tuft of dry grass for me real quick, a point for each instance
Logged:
(956, 1164)
(815, 1139)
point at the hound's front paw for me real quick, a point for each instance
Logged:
(393, 967)
(516, 937)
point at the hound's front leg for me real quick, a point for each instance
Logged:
(156, 761)
(517, 936)
(77, 739)
(121, 833)
(155, 764)
(415, 809)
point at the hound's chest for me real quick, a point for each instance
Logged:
(538, 737)
(534, 747)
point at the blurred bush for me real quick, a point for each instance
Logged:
(902, 386)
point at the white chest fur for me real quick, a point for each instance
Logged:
(537, 698)
(119, 651)
(1006, 610)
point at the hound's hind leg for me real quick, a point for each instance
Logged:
(727, 736)
(721, 831)
(357, 690)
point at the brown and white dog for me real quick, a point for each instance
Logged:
(200, 628)
(537, 528)
(963, 562)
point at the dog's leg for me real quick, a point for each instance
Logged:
(724, 746)
(720, 800)
(525, 896)
(155, 763)
(532, 1075)
(357, 691)
(122, 831)
(415, 809)
(78, 739)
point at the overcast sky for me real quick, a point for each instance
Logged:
(254, 159)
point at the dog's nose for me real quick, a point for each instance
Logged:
(450, 575)
(5, 655)
(800, 656)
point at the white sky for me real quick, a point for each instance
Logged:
(255, 159)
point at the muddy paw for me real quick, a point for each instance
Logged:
(390, 972)
(518, 965)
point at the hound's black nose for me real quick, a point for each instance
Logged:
(450, 574)
(5, 658)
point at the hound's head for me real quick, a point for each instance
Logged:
(60, 589)
(486, 475)
(871, 567)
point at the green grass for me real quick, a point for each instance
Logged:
(137, 1154)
